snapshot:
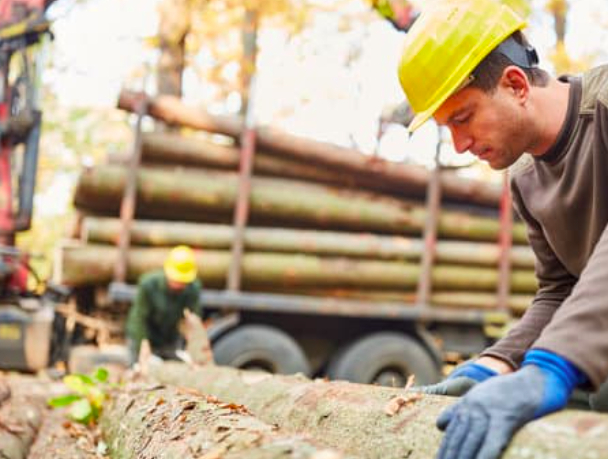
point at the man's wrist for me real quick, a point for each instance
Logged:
(562, 368)
(499, 366)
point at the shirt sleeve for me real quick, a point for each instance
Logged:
(579, 328)
(555, 284)
(136, 320)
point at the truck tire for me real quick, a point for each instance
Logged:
(384, 358)
(260, 347)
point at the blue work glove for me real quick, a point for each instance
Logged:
(459, 381)
(481, 424)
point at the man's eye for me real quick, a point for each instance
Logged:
(461, 119)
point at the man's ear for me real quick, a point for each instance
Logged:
(515, 80)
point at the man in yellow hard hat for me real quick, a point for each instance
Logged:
(162, 296)
(467, 64)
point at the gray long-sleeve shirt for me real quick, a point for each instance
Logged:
(563, 198)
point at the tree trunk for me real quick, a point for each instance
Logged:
(21, 414)
(359, 245)
(188, 195)
(173, 111)
(60, 438)
(176, 150)
(160, 422)
(174, 26)
(82, 265)
(250, 47)
(353, 417)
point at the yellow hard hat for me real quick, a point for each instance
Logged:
(445, 44)
(180, 265)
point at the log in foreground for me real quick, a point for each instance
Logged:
(94, 265)
(259, 239)
(60, 438)
(171, 110)
(162, 422)
(354, 417)
(21, 414)
(191, 195)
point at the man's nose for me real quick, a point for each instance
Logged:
(462, 141)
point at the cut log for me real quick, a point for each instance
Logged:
(161, 422)
(60, 438)
(191, 195)
(173, 111)
(177, 150)
(21, 415)
(168, 150)
(360, 245)
(88, 264)
(355, 417)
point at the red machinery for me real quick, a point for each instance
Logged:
(27, 318)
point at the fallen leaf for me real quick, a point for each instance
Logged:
(396, 403)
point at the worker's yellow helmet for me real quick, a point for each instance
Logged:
(180, 265)
(445, 44)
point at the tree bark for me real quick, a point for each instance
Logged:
(168, 149)
(60, 438)
(83, 265)
(161, 422)
(174, 26)
(354, 417)
(173, 111)
(360, 245)
(188, 195)
(21, 415)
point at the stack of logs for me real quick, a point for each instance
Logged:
(324, 220)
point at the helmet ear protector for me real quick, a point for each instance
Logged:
(524, 56)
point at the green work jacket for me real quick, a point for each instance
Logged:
(157, 310)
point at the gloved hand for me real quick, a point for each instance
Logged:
(459, 381)
(482, 423)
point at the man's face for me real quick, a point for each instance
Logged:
(489, 125)
(175, 286)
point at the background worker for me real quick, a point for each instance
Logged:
(162, 296)
(467, 63)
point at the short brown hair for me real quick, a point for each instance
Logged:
(489, 70)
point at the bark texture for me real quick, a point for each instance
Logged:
(354, 417)
(161, 149)
(83, 265)
(188, 195)
(162, 422)
(360, 245)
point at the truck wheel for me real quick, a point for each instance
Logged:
(385, 358)
(260, 347)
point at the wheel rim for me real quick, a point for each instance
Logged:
(390, 377)
(254, 364)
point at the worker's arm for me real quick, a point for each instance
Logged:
(194, 300)
(555, 285)
(136, 321)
